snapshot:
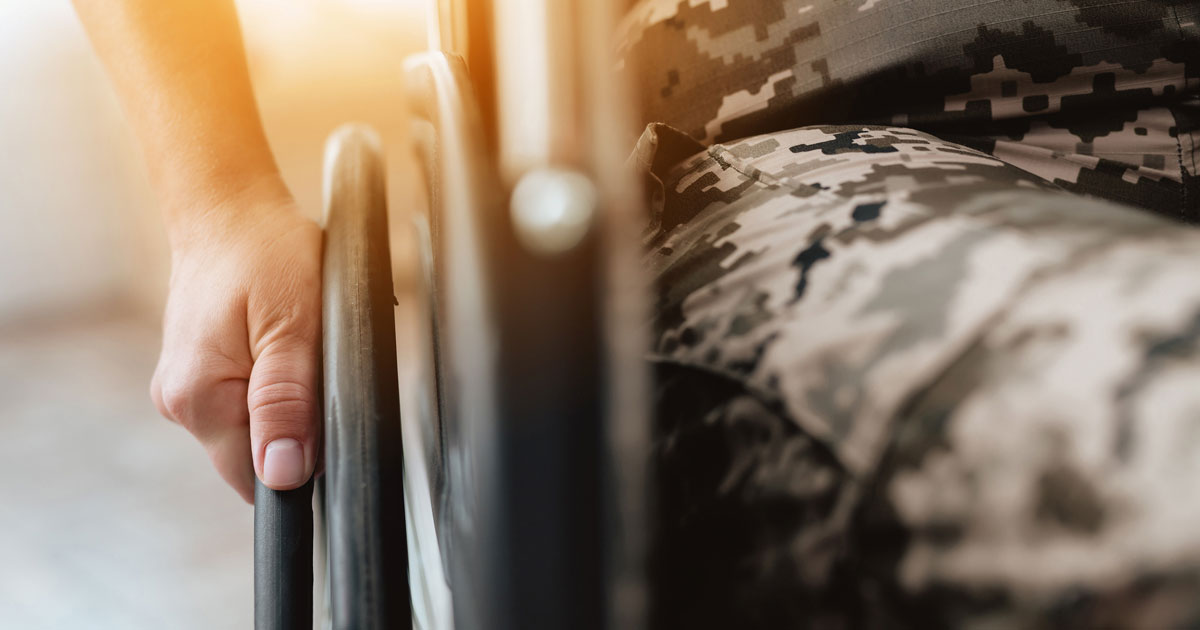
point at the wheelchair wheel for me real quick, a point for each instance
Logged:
(362, 500)
(525, 485)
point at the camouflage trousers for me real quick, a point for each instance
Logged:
(905, 384)
(1099, 96)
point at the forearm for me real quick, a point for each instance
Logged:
(180, 71)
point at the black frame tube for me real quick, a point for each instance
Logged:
(283, 537)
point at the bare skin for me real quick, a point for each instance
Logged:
(241, 333)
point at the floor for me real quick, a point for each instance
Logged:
(110, 517)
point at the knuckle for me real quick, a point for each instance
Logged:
(282, 404)
(156, 397)
(178, 400)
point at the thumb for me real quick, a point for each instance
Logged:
(284, 415)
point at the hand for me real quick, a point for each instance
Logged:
(241, 335)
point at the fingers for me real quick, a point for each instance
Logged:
(283, 412)
(230, 455)
(214, 411)
(239, 365)
(267, 425)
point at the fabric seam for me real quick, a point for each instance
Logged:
(1183, 173)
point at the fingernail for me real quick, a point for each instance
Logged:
(283, 463)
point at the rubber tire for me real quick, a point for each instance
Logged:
(364, 505)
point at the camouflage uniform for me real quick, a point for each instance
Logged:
(911, 378)
(1098, 96)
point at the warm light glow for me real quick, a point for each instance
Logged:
(382, 3)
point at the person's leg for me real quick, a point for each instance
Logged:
(1048, 477)
(903, 378)
(741, 494)
(1099, 97)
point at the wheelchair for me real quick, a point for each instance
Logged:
(513, 495)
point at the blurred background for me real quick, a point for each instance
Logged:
(109, 516)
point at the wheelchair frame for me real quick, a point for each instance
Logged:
(534, 438)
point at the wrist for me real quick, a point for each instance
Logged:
(216, 211)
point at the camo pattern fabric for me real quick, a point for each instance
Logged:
(905, 384)
(1098, 96)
